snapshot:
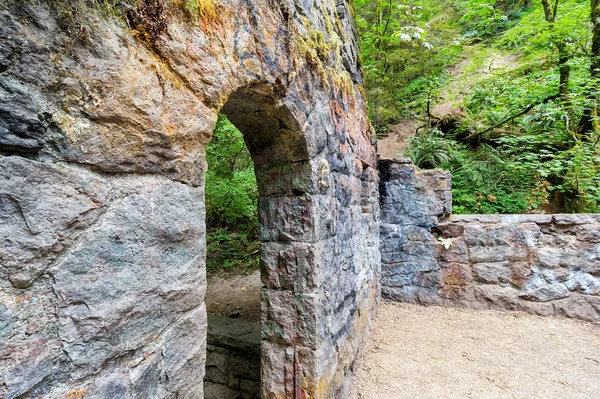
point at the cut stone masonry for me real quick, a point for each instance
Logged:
(541, 264)
(106, 108)
(233, 359)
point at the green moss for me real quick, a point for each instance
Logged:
(318, 43)
(206, 10)
(328, 25)
(191, 6)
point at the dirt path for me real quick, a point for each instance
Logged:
(463, 76)
(234, 295)
(421, 353)
(396, 141)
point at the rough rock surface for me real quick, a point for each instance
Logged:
(541, 264)
(233, 359)
(105, 112)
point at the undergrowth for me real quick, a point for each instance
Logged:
(513, 146)
(232, 251)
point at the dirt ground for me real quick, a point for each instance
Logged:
(395, 142)
(418, 353)
(234, 295)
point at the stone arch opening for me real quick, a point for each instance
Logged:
(278, 149)
(273, 137)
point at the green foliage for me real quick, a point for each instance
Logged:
(402, 42)
(531, 33)
(232, 251)
(483, 180)
(231, 203)
(231, 190)
(515, 145)
(579, 170)
(483, 18)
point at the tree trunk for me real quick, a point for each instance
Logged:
(564, 70)
(589, 121)
(549, 11)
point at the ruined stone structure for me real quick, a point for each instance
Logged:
(106, 108)
(541, 264)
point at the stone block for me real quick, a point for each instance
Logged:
(515, 220)
(278, 373)
(498, 254)
(289, 179)
(491, 273)
(44, 209)
(584, 283)
(538, 289)
(456, 253)
(450, 230)
(292, 266)
(561, 257)
(288, 318)
(477, 219)
(575, 219)
(398, 280)
(577, 307)
(588, 233)
(516, 273)
(250, 386)
(287, 219)
(455, 280)
(494, 235)
(234, 334)
(219, 391)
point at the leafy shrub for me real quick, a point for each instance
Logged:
(231, 203)
(483, 180)
(485, 18)
(231, 190)
(405, 52)
(232, 251)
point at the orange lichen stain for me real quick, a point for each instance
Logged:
(77, 393)
(337, 110)
(205, 13)
(454, 282)
(207, 8)
(519, 274)
(141, 34)
(166, 73)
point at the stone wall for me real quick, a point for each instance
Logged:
(105, 112)
(542, 264)
(233, 359)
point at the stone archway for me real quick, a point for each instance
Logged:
(101, 185)
(287, 225)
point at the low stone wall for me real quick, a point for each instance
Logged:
(541, 264)
(232, 359)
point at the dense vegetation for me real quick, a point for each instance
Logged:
(524, 136)
(231, 198)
